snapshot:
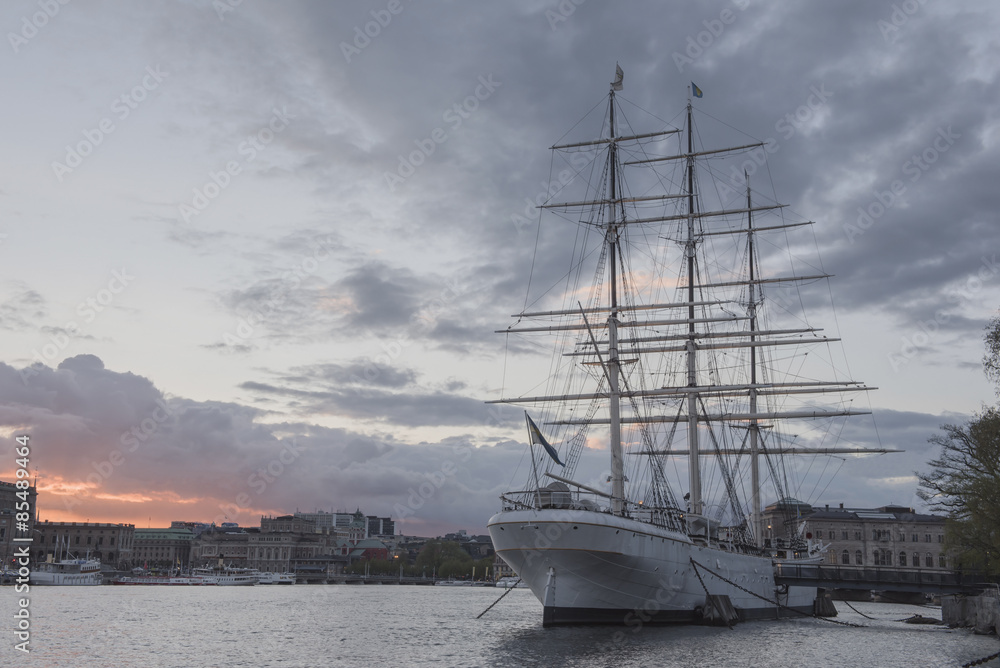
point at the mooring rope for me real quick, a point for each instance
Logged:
(764, 598)
(509, 590)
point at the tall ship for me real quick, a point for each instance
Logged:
(680, 356)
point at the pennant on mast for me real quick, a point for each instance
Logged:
(619, 78)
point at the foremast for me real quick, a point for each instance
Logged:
(613, 366)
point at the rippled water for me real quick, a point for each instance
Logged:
(342, 625)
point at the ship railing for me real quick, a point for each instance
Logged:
(557, 499)
(661, 516)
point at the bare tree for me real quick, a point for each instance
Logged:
(964, 483)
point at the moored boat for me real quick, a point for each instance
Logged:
(67, 572)
(168, 580)
(276, 578)
(226, 577)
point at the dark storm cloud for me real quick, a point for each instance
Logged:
(381, 297)
(352, 372)
(112, 439)
(404, 409)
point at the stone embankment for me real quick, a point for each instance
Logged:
(981, 613)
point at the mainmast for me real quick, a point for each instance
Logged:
(755, 517)
(613, 366)
(692, 396)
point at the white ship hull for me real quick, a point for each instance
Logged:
(67, 579)
(158, 581)
(236, 577)
(67, 573)
(227, 580)
(593, 567)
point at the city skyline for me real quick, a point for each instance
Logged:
(255, 254)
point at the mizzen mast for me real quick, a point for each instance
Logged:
(613, 365)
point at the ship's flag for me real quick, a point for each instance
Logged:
(535, 438)
(696, 91)
(619, 78)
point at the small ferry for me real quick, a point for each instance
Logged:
(67, 572)
(276, 578)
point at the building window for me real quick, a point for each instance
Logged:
(90, 539)
(845, 558)
(942, 562)
(843, 535)
(915, 538)
(902, 558)
(902, 537)
(927, 538)
(940, 537)
(857, 535)
(832, 534)
(859, 558)
(928, 560)
(916, 559)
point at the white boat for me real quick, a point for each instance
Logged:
(668, 355)
(276, 578)
(67, 572)
(226, 577)
(169, 580)
(510, 581)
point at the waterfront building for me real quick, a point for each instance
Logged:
(368, 549)
(281, 542)
(163, 548)
(894, 536)
(195, 527)
(111, 543)
(380, 526)
(321, 518)
(8, 517)
(501, 569)
(216, 546)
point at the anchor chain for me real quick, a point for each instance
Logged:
(848, 603)
(979, 662)
(509, 590)
(763, 598)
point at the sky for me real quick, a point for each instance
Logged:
(254, 253)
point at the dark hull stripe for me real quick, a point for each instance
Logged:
(555, 616)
